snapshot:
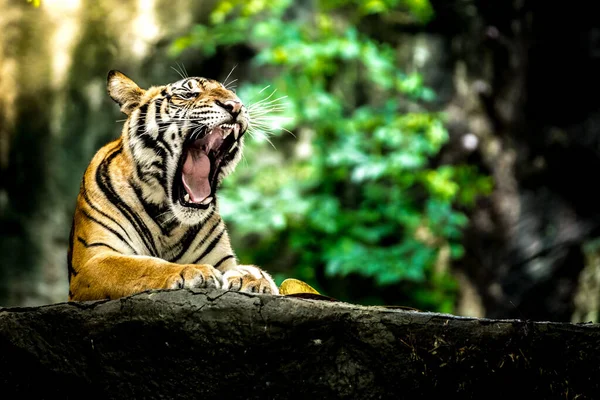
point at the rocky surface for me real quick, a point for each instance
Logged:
(217, 344)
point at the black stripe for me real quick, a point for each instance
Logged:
(215, 226)
(154, 211)
(147, 177)
(104, 182)
(105, 215)
(143, 111)
(161, 150)
(108, 228)
(165, 145)
(140, 133)
(140, 130)
(156, 145)
(70, 268)
(164, 103)
(160, 176)
(191, 234)
(222, 260)
(140, 174)
(211, 246)
(95, 244)
(162, 127)
(158, 165)
(148, 141)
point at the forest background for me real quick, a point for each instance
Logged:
(431, 154)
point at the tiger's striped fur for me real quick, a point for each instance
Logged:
(146, 215)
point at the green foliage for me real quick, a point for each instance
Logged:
(357, 193)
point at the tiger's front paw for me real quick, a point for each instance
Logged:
(250, 279)
(196, 276)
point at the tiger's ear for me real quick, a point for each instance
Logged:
(124, 91)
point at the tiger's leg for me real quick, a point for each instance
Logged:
(112, 275)
(248, 278)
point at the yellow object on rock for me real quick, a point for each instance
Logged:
(294, 286)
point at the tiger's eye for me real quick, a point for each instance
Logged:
(187, 95)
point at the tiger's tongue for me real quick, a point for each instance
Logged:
(195, 172)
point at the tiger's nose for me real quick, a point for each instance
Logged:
(233, 106)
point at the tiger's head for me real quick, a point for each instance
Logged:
(184, 138)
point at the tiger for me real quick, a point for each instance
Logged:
(147, 215)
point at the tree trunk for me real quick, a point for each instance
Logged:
(216, 344)
(519, 89)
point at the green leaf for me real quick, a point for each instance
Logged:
(349, 192)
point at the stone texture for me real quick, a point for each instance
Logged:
(216, 344)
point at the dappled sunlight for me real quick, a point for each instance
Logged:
(145, 28)
(64, 14)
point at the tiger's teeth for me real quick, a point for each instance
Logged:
(233, 147)
(186, 197)
(206, 200)
(226, 129)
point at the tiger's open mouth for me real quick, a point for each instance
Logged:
(201, 164)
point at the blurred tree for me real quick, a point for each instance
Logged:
(356, 193)
(55, 114)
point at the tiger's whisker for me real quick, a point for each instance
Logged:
(229, 74)
(178, 72)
